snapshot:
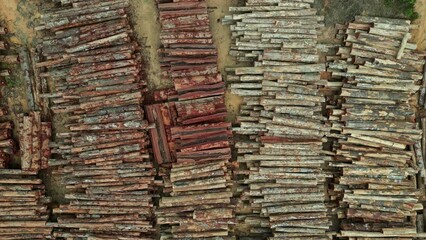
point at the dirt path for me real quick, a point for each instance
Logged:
(222, 40)
(148, 28)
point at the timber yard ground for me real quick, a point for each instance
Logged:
(20, 16)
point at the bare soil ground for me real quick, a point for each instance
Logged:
(420, 33)
(20, 17)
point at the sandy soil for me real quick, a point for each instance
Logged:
(19, 16)
(420, 33)
(222, 39)
(221, 34)
(147, 28)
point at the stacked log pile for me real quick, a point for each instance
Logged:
(191, 140)
(379, 149)
(34, 136)
(24, 210)
(263, 24)
(163, 115)
(5, 56)
(4, 46)
(23, 206)
(285, 185)
(90, 53)
(7, 144)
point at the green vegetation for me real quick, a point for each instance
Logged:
(407, 6)
(12, 82)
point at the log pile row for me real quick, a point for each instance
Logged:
(7, 144)
(164, 116)
(284, 190)
(5, 57)
(90, 53)
(260, 25)
(191, 141)
(23, 206)
(34, 136)
(188, 57)
(196, 202)
(378, 148)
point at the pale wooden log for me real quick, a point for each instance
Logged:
(404, 41)
(288, 69)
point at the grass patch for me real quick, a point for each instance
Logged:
(407, 6)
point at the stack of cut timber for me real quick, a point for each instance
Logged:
(189, 59)
(199, 202)
(7, 144)
(266, 24)
(34, 136)
(379, 153)
(3, 46)
(90, 54)
(191, 140)
(6, 58)
(164, 116)
(23, 206)
(336, 66)
(285, 188)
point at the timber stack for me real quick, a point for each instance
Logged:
(191, 141)
(7, 144)
(5, 56)
(23, 206)
(5, 59)
(90, 53)
(24, 210)
(285, 182)
(379, 149)
(34, 136)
